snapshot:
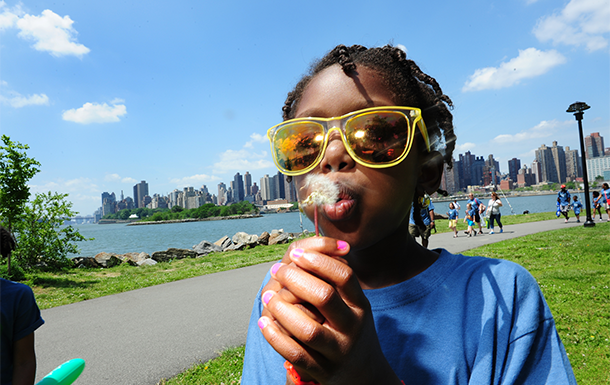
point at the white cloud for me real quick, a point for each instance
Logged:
(459, 148)
(66, 186)
(51, 33)
(18, 101)
(543, 129)
(96, 113)
(256, 138)
(194, 180)
(581, 22)
(118, 178)
(530, 63)
(236, 160)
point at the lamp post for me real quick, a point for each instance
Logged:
(578, 108)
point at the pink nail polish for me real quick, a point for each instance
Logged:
(262, 323)
(275, 268)
(267, 296)
(297, 253)
(342, 245)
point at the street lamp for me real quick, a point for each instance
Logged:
(578, 108)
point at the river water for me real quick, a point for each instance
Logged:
(120, 238)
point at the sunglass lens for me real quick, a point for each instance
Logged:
(378, 137)
(298, 145)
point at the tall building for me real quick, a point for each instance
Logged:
(139, 192)
(238, 188)
(573, 164)
(548, 170)
(222, 194)
(278, 185)
(108, 203)
(248, 183)
(514, 165)
(265, 188)
(559, 157)
(594, 145)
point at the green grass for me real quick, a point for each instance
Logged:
(572, 267)
(75, 285)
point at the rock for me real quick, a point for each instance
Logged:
(85, 262)
(264, 238)
(107, 259)
(249, 240)
(134, 258)
(278, 238)
(224, 242)
(205, 248)
(147, 262)
(236, 246)
(173, 253)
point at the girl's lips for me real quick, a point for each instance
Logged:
(342, 209)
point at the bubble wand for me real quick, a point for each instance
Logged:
(324, 192)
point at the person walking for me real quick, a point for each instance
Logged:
(563, 198)
(597, 207)
(493, 212)
(453, 215)
(475, 203)
(604, 200)
(577, 206)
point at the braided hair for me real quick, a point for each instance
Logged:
(403, 77)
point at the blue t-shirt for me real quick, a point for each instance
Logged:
(475, 203)
(564, 197)
(452, 214)
(577, 206)
(464, 320)
(425, 215)
(20, 316)
(604, 196)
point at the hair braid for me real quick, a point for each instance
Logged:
(409, 84)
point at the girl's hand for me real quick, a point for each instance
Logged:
(335, 349)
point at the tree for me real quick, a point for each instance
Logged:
(16, 169)
(41, 238)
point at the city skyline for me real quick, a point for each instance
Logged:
(554, 164)
(107, 94)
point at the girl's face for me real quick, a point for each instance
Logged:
(373, 203)
(451, 206)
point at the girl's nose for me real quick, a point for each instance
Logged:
(336, 157)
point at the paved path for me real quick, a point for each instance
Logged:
(142, 336)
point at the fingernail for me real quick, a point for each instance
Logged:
(262, 323)
(275, 268)
(297, 253)
(342, 245)
(267, 296)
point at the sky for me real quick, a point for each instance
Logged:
(180, 94)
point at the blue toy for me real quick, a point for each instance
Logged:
(64, 374)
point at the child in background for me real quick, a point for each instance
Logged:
(597, 207)
(453, 215)
(20, 317)
(470, 219)
(365, 303)
(577, 207)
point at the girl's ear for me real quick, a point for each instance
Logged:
(430, 173)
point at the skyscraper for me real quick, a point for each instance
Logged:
(514, 165)
(559, 157)
(248, 183)
(238, 188)
(265, 188)
(594, 145)
(573, 164)
(548, 170)
(139, 192)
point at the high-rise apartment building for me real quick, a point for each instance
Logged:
(514, 165)
(573, 164)
(139, 192)
(238, 188)
(265, 188)
(559, 157)
(548, 170)
(594, 145)
(222, 194)
(248, 183)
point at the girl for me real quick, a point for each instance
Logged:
(470, 218)
(577, 207)
(365, 303)
(493, 211)
(604, 200)
(453, 215)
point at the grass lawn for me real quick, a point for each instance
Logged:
(572, 267)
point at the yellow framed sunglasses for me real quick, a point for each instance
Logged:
(376, 137)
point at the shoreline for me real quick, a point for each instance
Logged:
(186, 220)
